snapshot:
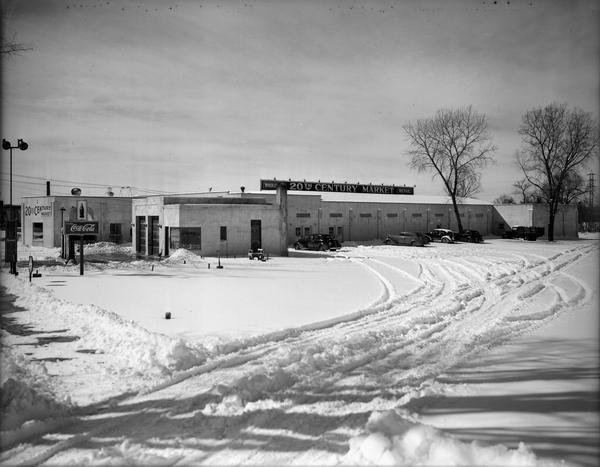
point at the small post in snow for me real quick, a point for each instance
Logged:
(30, 267)
(81, 255)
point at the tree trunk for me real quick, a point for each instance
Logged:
(457, 214)
(551, 215)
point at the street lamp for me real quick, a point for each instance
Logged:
(11, 234)
(62, 232)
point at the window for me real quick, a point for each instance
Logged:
(189, 238)
(479, 214)
(115, 233)
(303, 214)
(223, 233)
(439, 214)
(332, 231)
(306, 231)
(38, 233)
(417, 214)
(365, 214)
(335, 214)
(298, 231)
(392, 214)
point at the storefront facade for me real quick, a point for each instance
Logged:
(43, 217)
(209, 225)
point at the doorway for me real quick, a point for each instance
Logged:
(140, 235)
(255, 234)
(153, 245)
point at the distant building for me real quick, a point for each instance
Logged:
(566, 221)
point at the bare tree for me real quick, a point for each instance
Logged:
(574, 187)
(556, 143)
(504, 199)
(523, 188)
(13, 48)
(454, 145)
(10, 46)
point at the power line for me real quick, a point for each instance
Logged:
(57, 182)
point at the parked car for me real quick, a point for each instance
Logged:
(528, 233)
(472, 236)
(320, 242)
(257, 253)
(441, 235)
(407, 238)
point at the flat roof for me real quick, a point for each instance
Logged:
(376, 198)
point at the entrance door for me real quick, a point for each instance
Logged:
(153, 247)
(340, 234)
(140, 234)
(255, 235)
(166, 241)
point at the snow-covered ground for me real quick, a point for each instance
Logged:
(444, 355)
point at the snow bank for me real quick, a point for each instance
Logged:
(25, 391)
(394, 438)
(181, 256)
(108, 248)
(132, 348)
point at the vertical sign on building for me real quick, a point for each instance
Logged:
(81, 210)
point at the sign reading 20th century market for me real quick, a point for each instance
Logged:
(337, 187)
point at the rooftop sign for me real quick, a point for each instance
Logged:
(337, 187)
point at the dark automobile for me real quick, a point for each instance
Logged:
(441, 235)
(320, 242)
(528, 233)
(472, 236)
(258, 253)
(407, 238)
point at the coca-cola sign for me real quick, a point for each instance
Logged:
(81, 228)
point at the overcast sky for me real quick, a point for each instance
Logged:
(183, 96)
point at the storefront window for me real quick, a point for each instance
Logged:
(189, 238)
(115, 233)
(38, 233)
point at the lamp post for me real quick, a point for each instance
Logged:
(62, 232)
(11, 234)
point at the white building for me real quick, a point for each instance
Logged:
(43, 218)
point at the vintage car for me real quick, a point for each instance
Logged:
(257, 253)
(472, 236)
(321, 242)
(528, 233)
(441, 235)
(407, 238)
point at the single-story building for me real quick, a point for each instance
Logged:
(43, 218)
(209, 224)
(566, 221)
